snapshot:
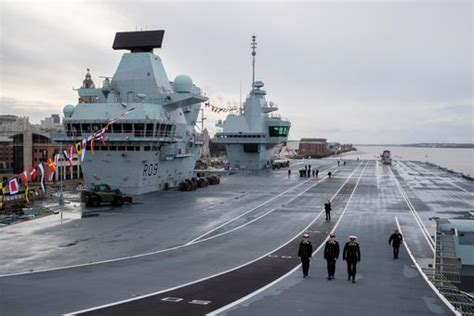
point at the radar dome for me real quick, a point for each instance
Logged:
(183, 84)
(68, 110)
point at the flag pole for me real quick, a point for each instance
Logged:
(61, 198)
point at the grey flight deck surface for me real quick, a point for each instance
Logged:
(252, 235)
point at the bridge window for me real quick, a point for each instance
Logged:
(149, 130)
(96, 127)
(139, 130)
(86, 128)
(116, 128)
(127, 128)
(278, 131)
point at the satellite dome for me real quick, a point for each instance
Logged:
(183, 84)
(68, 110)
(258, 84)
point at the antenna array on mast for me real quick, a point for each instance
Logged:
(254, 46)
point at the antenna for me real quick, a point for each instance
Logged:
(254, 46)
(240, 104)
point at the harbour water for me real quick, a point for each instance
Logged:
(457, 159)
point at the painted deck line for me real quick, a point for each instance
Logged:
(142, 254)
(217, 274)
(253, 209)
(237, 302)
(431, 285)
(458, 187)
(263, 215)
(442, 179)
(418, 220)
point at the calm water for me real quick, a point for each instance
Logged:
(457, 159)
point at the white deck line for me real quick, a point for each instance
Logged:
(261, 216)
(435, 290)
(418, 220)
(251, 210)
(444, 181)
(213, 275)
(459, 187)
(228, 306)
(149, 253)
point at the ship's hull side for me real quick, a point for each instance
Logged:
(137, 172)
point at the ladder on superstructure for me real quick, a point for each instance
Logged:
(446, 275)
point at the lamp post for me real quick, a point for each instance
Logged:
(61, 197)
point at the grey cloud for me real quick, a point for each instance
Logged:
(342, 70)
(34, 109)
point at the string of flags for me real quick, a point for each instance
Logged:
(218, 109)
(67, 155)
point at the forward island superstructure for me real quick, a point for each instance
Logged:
(155, 145)
(251, 136)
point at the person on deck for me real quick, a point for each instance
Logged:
(331, 253)
(351, 255)
(305, 252)
(396, 239)
(328, 208)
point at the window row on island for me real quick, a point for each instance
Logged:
(134, 129)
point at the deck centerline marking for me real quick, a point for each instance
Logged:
(217, 274)
(250, 295)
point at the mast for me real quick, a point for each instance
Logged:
(240, 102)
(254, 46)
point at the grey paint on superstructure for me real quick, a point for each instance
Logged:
(155, 146)
(251, 136)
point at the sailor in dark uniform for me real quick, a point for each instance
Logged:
(351, 254)
(396, 239)
(305, 252)
(331, 253)
(328, 208)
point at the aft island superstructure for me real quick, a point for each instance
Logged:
(251, 136)
(155, 145)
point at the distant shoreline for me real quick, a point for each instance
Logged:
(422, 145)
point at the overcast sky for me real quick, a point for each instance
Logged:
(353, 72)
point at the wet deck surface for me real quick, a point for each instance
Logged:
(384, 286)
(240, 230)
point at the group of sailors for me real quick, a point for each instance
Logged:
(307, 172)
(350, 254)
